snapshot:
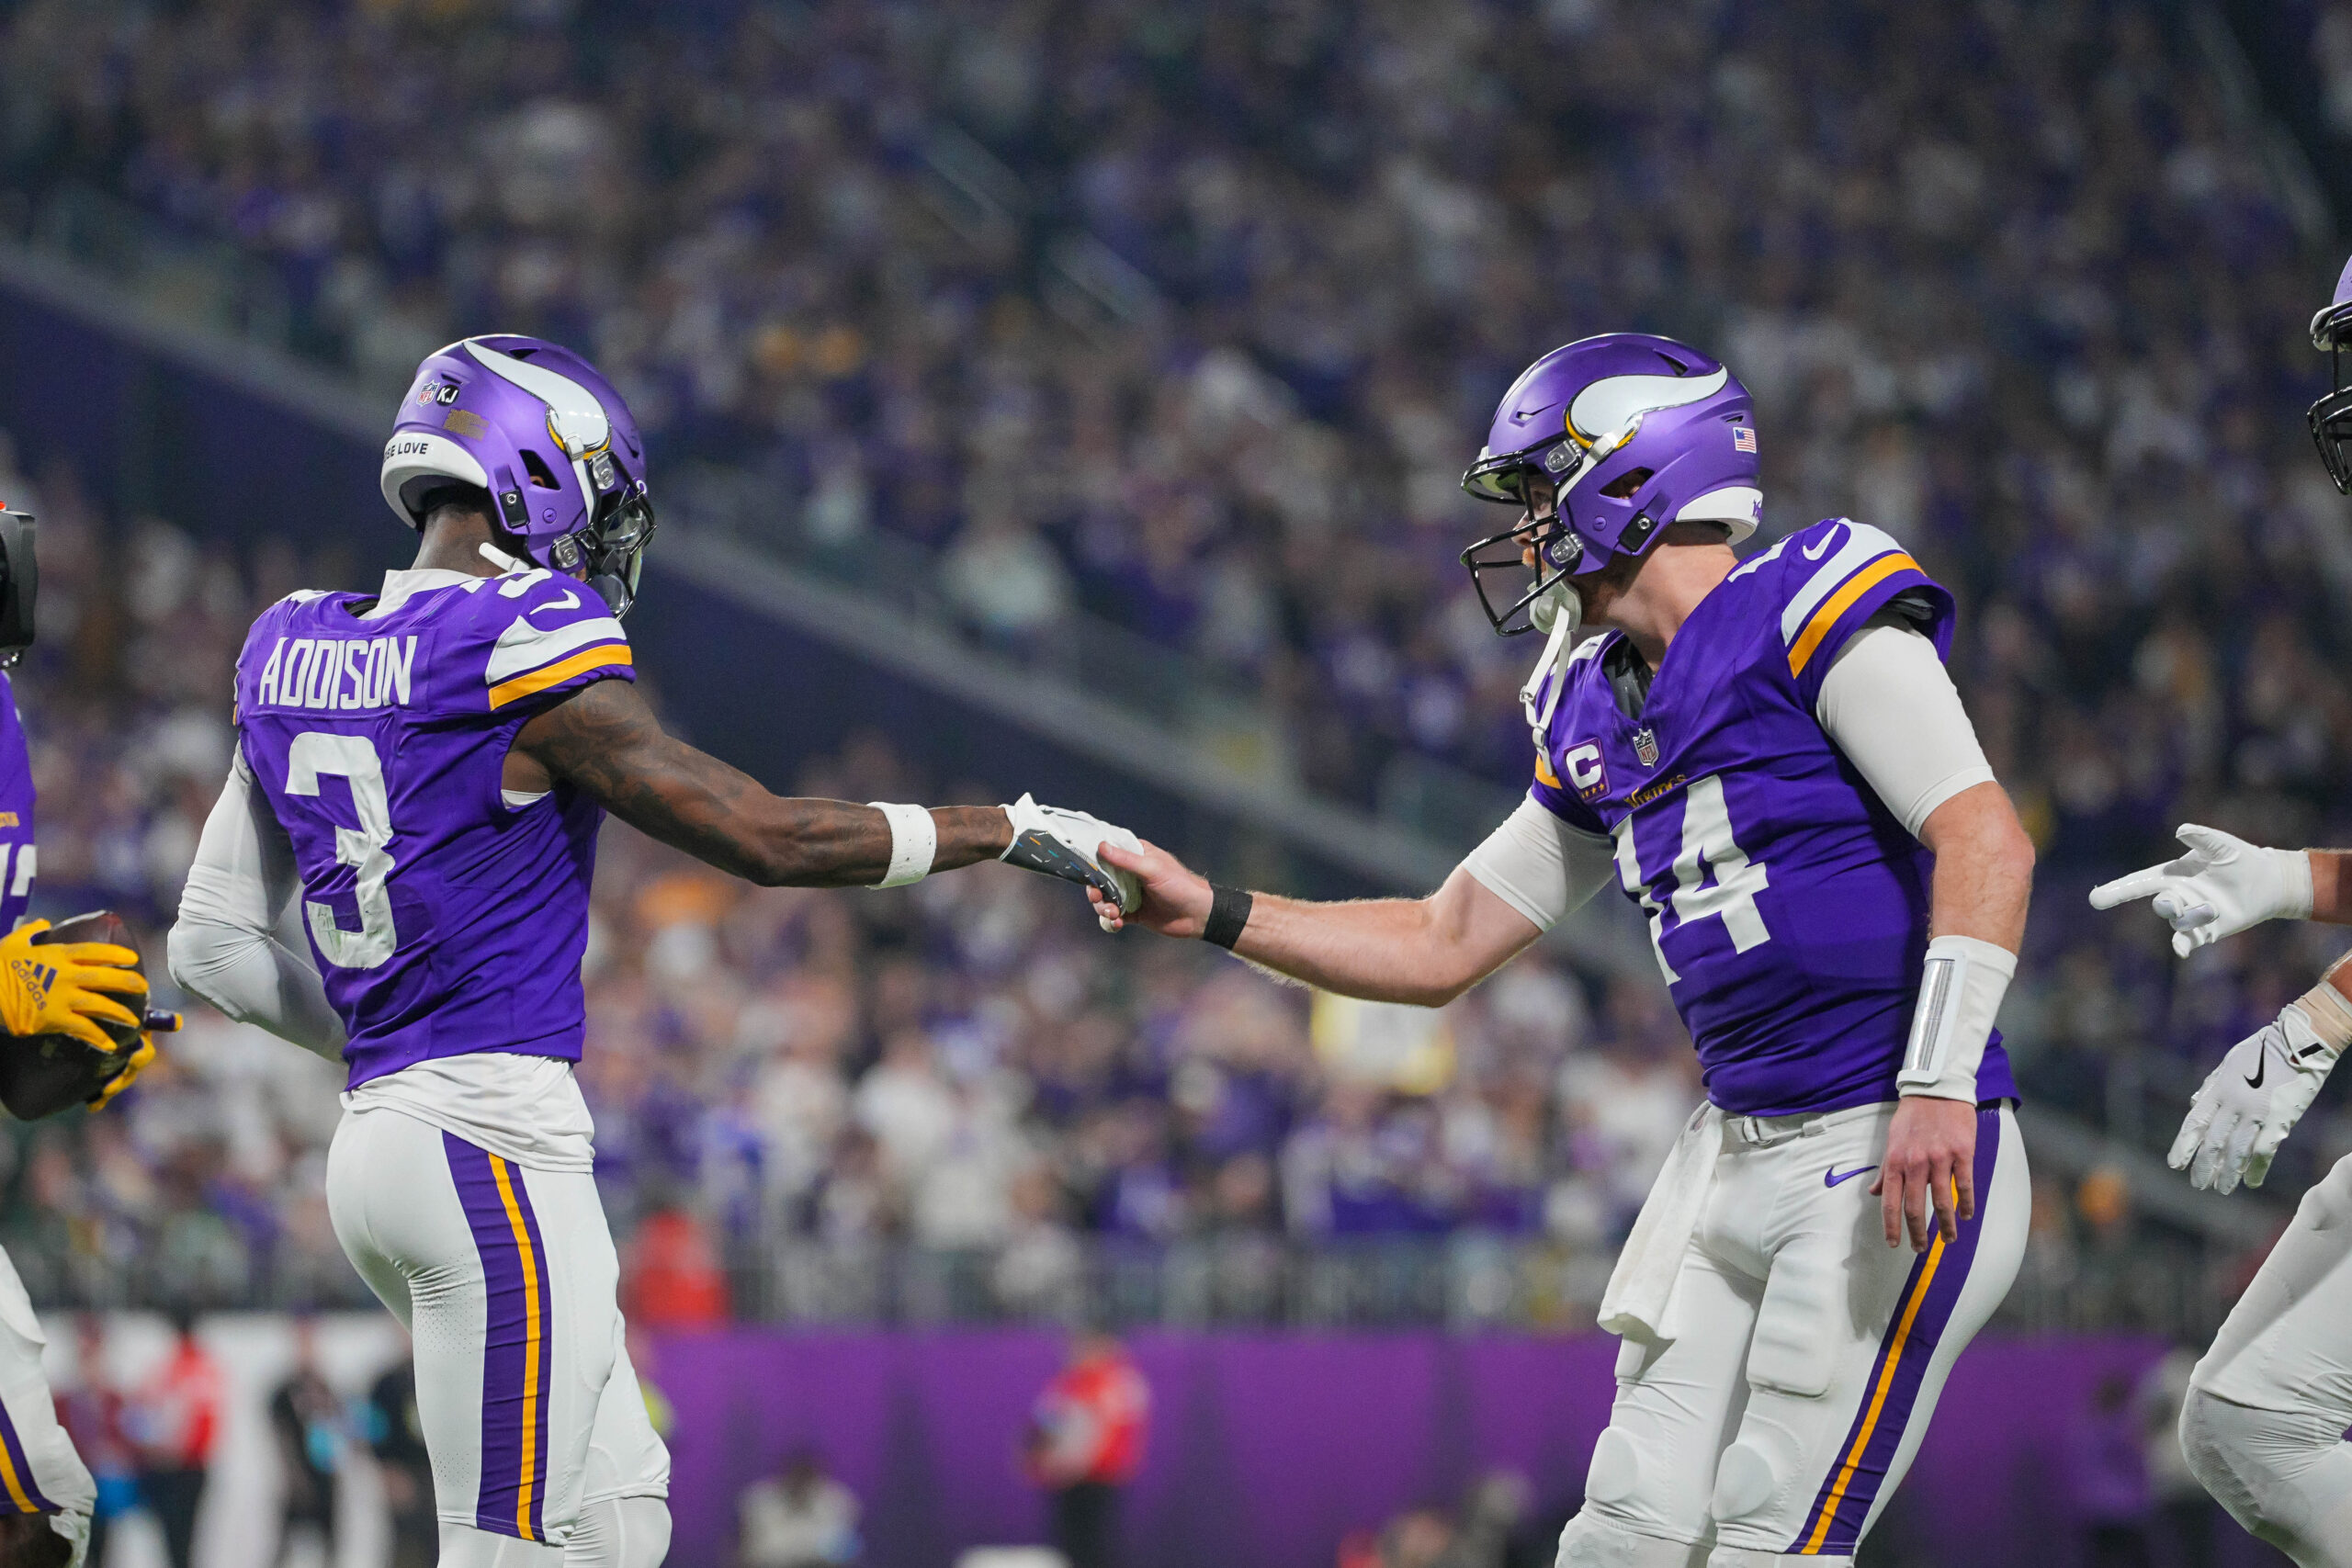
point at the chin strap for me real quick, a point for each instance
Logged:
(1538, 700)
(500, 559)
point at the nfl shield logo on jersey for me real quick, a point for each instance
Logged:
(1645, 746)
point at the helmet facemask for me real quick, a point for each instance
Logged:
(1559, 553)
(1564, 462)
(612, 548)
(2331, 416)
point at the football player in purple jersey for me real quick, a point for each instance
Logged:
(47, 989)
(1769, 758)
(426, 767)
(2269, 1405)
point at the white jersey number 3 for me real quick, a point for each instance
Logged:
(350, 758)
(1709, 848)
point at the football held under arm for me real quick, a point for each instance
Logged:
(224, 946)
(1891, 707)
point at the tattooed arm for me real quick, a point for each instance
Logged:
(605, 740)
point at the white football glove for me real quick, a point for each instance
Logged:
(1068, 844)
(2251, 1102)
(2221, 887)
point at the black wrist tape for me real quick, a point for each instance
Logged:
(1229, 912)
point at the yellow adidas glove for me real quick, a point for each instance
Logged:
(59, 987)
(132, 1069)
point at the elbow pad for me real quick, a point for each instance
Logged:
(1960, 991)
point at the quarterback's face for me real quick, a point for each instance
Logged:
(1541, 502)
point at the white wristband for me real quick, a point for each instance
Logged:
(1961, 987)
(914, 840)
(2330, 1016)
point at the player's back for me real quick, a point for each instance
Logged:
(448, 917)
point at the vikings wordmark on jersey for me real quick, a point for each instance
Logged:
(445, 921)
(1787, 906)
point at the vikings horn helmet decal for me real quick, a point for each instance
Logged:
(534, 425)
(1631, 431)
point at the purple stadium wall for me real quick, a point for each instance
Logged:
(1267, 1448)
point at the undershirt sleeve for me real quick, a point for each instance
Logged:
(1542, 867)
(224, 946)
(1890, 705)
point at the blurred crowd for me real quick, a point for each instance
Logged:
(1189, 316)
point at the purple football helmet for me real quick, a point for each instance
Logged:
(1634, 432)
(2331, 417)
(535, 426)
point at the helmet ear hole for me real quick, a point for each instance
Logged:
(542, 477)
(1624, 486)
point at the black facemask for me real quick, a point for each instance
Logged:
(19, 584)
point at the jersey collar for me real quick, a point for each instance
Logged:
(401, 586)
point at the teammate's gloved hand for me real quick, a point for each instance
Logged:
(2221, 887)
(1068, 844)
(2251, 1102)
(58, 987)
(157, 1023)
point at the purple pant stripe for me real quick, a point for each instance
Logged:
(1853, 1504)
(24, 1470)
(505, 1343)
(546, 1354)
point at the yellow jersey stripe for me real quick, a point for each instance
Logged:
(1842, 600)
(556, 674)
(1544, 772)
(534, 1333)
(1878, 1399)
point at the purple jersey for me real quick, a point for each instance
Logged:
(445, 922)
(19, 860)
(1787, 906)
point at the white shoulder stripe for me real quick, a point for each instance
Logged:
(1861, 544)
(524, 646)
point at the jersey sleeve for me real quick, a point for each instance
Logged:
(551, 635)
(1841, 574)
(18, 858)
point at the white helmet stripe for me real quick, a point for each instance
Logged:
(577, 419)
(1610, 402)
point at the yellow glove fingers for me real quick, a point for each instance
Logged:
(106, 954)
(132, 1069)
(127, 981)
(82, 1029)
(104, 1009)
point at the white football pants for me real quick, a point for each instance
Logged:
(1806, 1356)
(40, 1471)
(543, 1454)
(2262, 1426)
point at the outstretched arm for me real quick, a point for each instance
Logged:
(605, 740)
(1422, 951)
(1528, 875)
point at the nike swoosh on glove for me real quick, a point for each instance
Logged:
(1068, 844)
(2251, 1102)
(2221, 887)
(58, 987)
